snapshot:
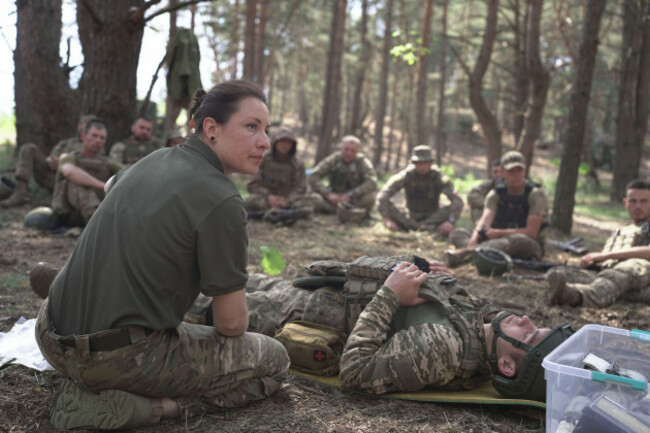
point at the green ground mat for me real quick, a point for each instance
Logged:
(484, 394)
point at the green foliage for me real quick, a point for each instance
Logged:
(272, 261)
(7, 125)
(6, 155)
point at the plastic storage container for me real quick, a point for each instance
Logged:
(581, 400)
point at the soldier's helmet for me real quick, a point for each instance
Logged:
(422, 153)
(491, 262)
(283, 132)
(42, 218)
(529, 383)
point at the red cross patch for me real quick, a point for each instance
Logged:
(320, 355)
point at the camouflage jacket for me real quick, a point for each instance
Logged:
(422, 193)
(476, 196)
(425, 355)
(357, 178)
(279, 176)
(68, 145)
(131, 150)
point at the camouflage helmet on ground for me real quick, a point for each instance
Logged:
(491, 262)
(529, 382)
(42, 218)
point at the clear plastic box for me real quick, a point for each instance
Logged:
(581, 400)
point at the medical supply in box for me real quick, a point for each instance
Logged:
(597, 382)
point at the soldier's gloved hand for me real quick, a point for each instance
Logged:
(405, 282)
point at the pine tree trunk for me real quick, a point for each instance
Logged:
(383, 85)
(421, 88)
(441, 146)
(47, 109)
(564, 201)
(354, 127)
(249, 40)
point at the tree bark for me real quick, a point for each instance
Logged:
(111, 38)
(540, 79)
(233, 47)
(249, 40)
(632, 117)
(521, 65)
(260, 42)
(333, 79)
(562, 218)
(441, 146)
(354, 125)
(486, 118)
(421, 87)
(383, 84)
(47, 109)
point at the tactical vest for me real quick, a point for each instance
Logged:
(344, 177)
(631, 235)
(512, 210)
(277, 175)
(97, 167)
(422, 192)
(135, 150)
(366, 275)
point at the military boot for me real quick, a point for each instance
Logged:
(456, 258)
(18, 197)
(559, 292)
(41, 277)
(6, 188)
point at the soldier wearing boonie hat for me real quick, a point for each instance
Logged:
(33, 163)
(422, 183)
(513, 159)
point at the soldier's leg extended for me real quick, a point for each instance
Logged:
(83, 201)
(31, 162)
(626, 276)
(516, 246)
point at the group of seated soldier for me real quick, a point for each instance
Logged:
(77, 168)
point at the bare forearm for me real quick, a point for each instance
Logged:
(81, 177)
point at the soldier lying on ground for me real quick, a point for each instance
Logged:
(423, 184)
(514, 218)
(138, 145)
(281, 181)
(79, 187)
(33, 163)
(352, 182)
(409, 336)
(625, 257)
(476, 196)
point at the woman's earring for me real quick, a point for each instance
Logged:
(212, 138)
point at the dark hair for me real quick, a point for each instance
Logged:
(145, 118)
(222, 101)
(496, 162)
(638, 184)
(93, 124)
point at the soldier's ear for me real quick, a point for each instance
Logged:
(507, 366)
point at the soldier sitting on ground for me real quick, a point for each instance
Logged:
(79, 187)
(514, 218)
(281, 181)
(625, 259)
(33, 163)
(422, 183)
(138, 145)
(476, 196)
(352, 182)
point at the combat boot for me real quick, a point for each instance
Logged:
(456, 258)
(18, 197)
(6, 188)
(559, 292)
(41, 277)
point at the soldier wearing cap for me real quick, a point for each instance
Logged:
(281, 180)
(140, 144)
(33, 163)
(514, 218)
(476, 196)
(352, 182)
(422, 183)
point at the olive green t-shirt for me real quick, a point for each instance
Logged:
(170, 227)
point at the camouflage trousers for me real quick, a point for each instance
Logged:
(517, 246)
(187, 363)
(601, 290)
(259, 202)
(366, 201)
(428, 223)
(33, 163)
(76, 204)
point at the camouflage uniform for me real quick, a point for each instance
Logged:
(427, 354)
(422, 199)
(32, 162)
(131, 150)
(620, 277)
(476, 198)
(357, 179)
(77, 203)
(281, 175)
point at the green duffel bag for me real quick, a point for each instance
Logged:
(312, 348)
